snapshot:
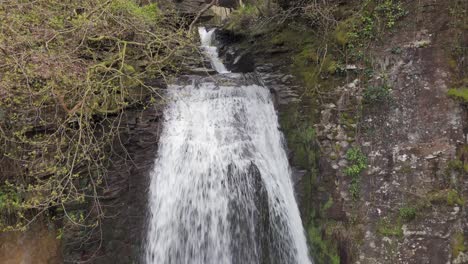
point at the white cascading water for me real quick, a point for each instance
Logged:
(221, 191)
(206, 38)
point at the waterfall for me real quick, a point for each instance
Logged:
(221, 191)
(206, 38)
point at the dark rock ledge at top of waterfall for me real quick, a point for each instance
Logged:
(235, 59)
(230, 79)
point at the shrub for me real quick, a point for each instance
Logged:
(358, 163)
(391, 11)
(68, 72)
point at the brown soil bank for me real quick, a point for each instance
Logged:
(38, 245)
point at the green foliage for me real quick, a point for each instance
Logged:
(301, 138)
(455, 165)
(342, 32)
(458, 244)
(314, 66)
(9, 198)
(375, 95)
(148, 13)
(323, 250)
(375, 18)
(59, 233)
(69, 72)
(328, 204)
(407, 213)
(306, 152)
(241, 19)
(386, 227)
(449, 197)
(358, 163)
(453, 198)
(391, 11)
(460, 94)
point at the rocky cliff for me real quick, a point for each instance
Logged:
(379, 142)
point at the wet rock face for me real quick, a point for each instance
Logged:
(243, 62)
(236, 59)
(124, 199)
(125, 232)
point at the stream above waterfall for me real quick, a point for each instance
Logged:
(221, 189)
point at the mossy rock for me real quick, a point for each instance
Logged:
(386, 227)
(449, 197)
(458, 244)
(460, 94)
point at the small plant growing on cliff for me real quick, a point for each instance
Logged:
(458, 244)
(407, 213)
(385, 227)
(391, 11)
(358, 163)
(460, 94)
(374, 95)
(454, 198)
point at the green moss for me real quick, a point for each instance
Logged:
(453, 198)
(323, 251)
(458, 244)
(386, 227)
(327, 205)
(241, 19)
(347, 120)
(406, 168)
(449, 197)
(314, 69)
(147, 13)
(290, 38)
(460, 94)
(455, 165)
(453, 64)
